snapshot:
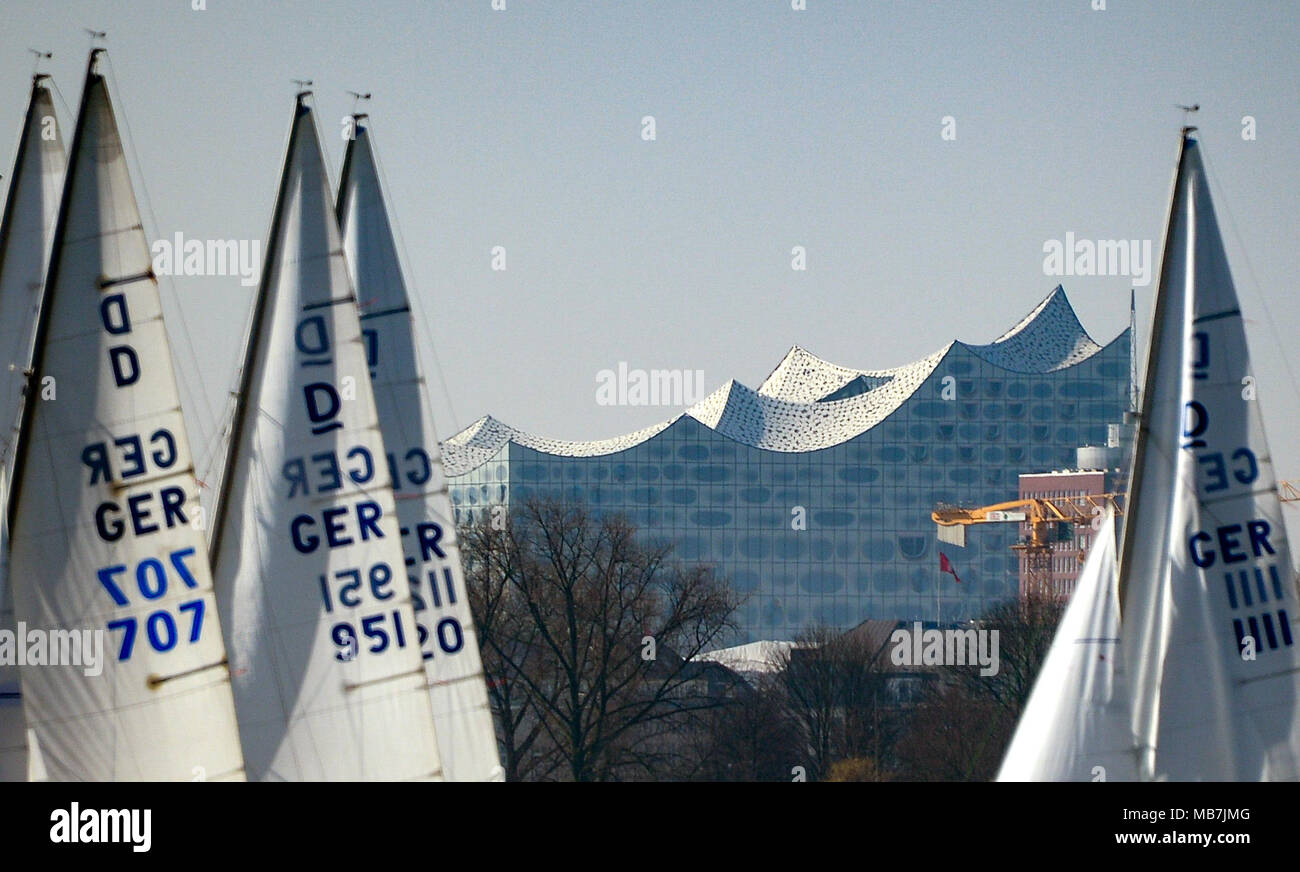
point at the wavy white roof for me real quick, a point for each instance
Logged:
(807, 403)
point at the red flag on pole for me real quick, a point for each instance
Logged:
(946, 566)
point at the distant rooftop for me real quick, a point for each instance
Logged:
(807, 403)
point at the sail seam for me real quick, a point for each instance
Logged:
(325, 304)
(396, 310)
(156, 681)
(1216, 316)
(415, 673)
(125, 280)
(1205, 504)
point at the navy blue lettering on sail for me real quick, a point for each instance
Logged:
(1196, 420)
(371, 340)
(151, 578)
(343, 589)
(326, 471)
(337, 527)
(119, 459)
(311, 338)
(1258, 586)
(141, 513)
(116, 320)
(1219, 473)
(1242, 552)
(433, 587)
(129, 456)
(415, 469)
(1200, 355)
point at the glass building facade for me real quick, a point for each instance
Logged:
(813, 494)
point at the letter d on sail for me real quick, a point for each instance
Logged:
(126, 365)
(322, 418)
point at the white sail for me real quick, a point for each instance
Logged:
(329, 682)
(1209, 602)
(462, 716)
(1075, 726)
(31, 209)
(103, 548)
(30, 212)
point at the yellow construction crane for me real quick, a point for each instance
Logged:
(1038, 514)
(1288, 492)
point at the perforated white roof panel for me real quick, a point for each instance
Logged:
(789, 412)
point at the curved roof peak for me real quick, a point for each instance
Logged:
(803, 377)
(807, 403)
(1049, 338)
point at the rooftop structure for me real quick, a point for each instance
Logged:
(812, 493)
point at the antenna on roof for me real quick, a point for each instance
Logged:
(96, 35)
(1187, 110)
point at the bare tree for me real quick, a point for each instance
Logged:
(750, 738)
(954, 736)
(589, 634)
(505, 637)
(962, 729)
(836, 690)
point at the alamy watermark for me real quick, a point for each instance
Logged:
(37, 647)
(1104, 257)
(77, 825)
(966, 647)
(179, 256)
(653, 387)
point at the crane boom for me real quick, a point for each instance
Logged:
(1036, 514)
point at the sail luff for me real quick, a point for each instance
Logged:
(329, 684)
(104, 553)
(1148, 519)
(462, 714)
(30, 211)
(34, 192)
(51, 274)
(1138, 461)
(246, 373)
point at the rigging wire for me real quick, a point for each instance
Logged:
(227, 433)
(413, 294)
(1256, 287)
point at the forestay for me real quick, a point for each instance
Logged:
(104, 550)
(325, 653)
(463, 720)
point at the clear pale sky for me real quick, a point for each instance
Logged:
(775, 128)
